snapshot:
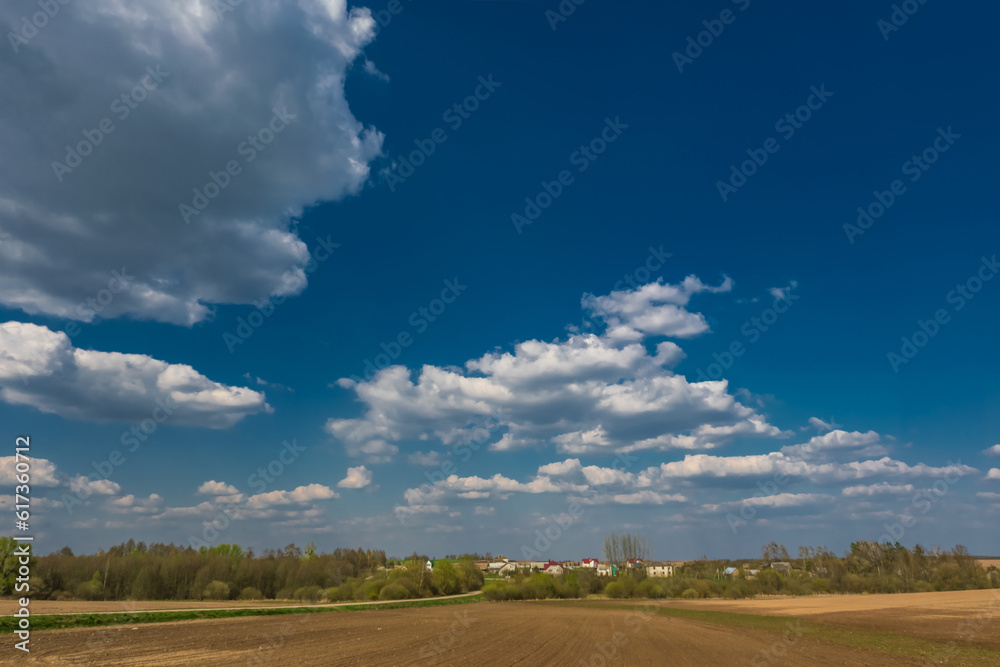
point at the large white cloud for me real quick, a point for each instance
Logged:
(585, 394)
(216, 79)
(41, 368)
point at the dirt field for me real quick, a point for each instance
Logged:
(476, 634)
(43, 607)
(539, 633)
(941, 617)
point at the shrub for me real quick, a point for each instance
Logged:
(648, 588)
(308, 593)
(615, 590)
(394, 591)
(923, 587)
(370, 590)
(446, 578)
(689, 594)
(470, 576)
(538, 586)
(250, 593)
(216, 590)
(820, 585)
(499, 591)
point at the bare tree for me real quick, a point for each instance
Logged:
(622, 547)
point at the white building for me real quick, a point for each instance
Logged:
(659, 569)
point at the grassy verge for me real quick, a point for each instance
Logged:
(889, 643)
(9, 623)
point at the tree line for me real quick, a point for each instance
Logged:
(137, 571)
(868, 567)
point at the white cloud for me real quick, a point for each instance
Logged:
(83, 487)
(213, 488)
(42, 369)
(782, 293)
(43, 471)
(994, 473)
(819, 424)
(878, 489)
(655, 309)
(298, 496)
(836, 442)
(220, 78)
(585, 394)
(357, 478)
(776, 501)
(992, 451)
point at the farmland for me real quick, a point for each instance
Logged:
(907, 629)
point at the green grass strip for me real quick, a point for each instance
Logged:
(888, 643)
(8, 624)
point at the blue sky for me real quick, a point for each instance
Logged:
(562, 365)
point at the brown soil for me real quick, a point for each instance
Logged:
(476, 634)
(968, 618)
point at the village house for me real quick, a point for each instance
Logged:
(553, 567)
(590, 562)
(659, 568)
(782, 567)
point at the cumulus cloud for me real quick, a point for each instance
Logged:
(994, 473)
(777, 501)
(42, 369)
(43, 472)
(585, 394)
(183, 87)
(992, 451)
(299, 496)
(655, 309)
(213, 488)
(878, 489)
(357, 478)
(838, 442)
(83, 487)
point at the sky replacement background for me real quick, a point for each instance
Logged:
(426, 276)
